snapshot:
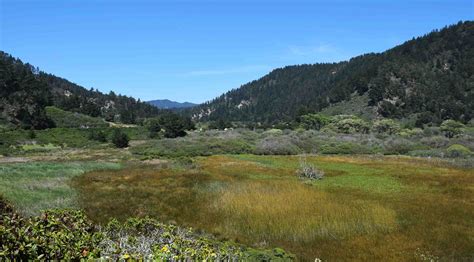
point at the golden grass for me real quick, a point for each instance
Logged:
(292, 211)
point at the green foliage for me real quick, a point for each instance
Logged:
(56, 235)
(345, 148)
(458, 151)
(39, 148)
(154, 127)
(314, 121)
(23, 95)
(386, 126)
(120, 139)
(193, 147)
(68, 119)
(452, 128)
(70, 235)
(220, 124)
(97, 135)
(348, 124)
(171, 125)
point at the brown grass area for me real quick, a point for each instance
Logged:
(365, 209)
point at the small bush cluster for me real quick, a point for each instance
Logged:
(98, 135)
(309, 171)
(120, 139)
(458, 151)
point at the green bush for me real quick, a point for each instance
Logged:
(452, 128)
(314, 121)
(386, 126)
(98, 135)
(120, 139)
(398, 146)
(344, 148)
(55, 235)
(457, 150)
(348, 124)
(69, 235)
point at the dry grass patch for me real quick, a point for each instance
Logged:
(291, 211)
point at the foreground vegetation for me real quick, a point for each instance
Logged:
(69, 235)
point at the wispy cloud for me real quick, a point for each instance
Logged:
(312, 50)
(226, 71)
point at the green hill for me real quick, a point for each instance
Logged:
(25, 91)
(63, 118)
(429, 78)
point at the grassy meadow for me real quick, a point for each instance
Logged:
(37, 186)
(366, 208)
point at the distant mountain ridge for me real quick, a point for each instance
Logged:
(168, 104)
(427, 79)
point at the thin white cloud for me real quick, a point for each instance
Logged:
(312, 50)
(226, 71)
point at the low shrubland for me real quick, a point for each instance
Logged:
(293, 142)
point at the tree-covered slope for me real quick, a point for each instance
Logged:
(25, 91)
(168, 104)
(430, 76)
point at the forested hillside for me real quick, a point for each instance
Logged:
(25, 91)
(168, 104)
(429, 78)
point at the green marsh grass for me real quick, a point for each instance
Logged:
(36, 186)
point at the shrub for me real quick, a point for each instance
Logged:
(349, 124)
(435, 141)
(154, 127)
(276, 145)
(457, 150)
(97, 136)
(220, 124)
(451, 128)
(386, 126)
(345, 148)
(308, 171)
(396, 146)
(31, 134)
(56, 235)
(411, 132)
(69, 235)
(174, 125)
(314, 121)
(119, 138)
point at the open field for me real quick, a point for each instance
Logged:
(37, 186)
(366, 208)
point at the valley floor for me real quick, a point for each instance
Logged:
(366, 208)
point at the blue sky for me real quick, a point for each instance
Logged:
(196, 50)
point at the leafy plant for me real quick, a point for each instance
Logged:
(120, 139)
(97, 135)
(386, 126)
(452, 128)
(458, 151)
